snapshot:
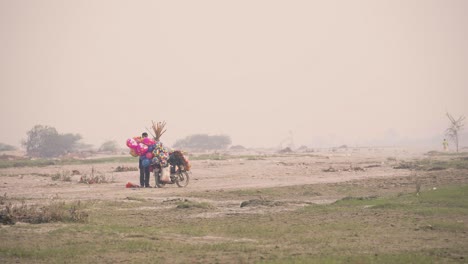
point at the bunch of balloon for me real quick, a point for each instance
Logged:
(149, 151)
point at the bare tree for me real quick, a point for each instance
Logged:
(455, 126)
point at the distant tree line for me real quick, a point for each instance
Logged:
(110, 146)
(6, 147)
(203, 142)
(46, 142)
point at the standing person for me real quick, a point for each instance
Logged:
(445, 144)
(144, 171)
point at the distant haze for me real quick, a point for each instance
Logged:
(324, 72)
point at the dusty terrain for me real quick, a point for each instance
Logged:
(258, 171)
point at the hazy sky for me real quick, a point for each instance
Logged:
(329, 72)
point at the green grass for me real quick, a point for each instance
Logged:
(364, 259)
(450, 198)
(430, 164)
(36, 214)
(357, 229)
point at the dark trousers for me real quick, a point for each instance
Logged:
(144, 176)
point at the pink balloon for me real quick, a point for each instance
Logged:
(131, 143)
(148, 141)
(141, 149)
(149, 155)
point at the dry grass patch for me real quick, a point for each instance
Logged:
(37, 214)
(96, 177)
(186, 204)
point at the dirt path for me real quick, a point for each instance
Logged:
(207, 175)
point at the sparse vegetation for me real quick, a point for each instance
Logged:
(186, 204)
(260, 202)
(125, 168)
(362, 229)
(434, 164)
(37, 214)
(434, 153)
(101, 178)
(417, 218)
(62, 176)
(96, 178)
(131, 198)
(48, 162)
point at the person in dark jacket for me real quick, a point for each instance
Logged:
(144, 171)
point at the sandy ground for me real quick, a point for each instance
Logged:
(36, 183)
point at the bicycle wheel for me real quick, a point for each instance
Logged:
(182, 179)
